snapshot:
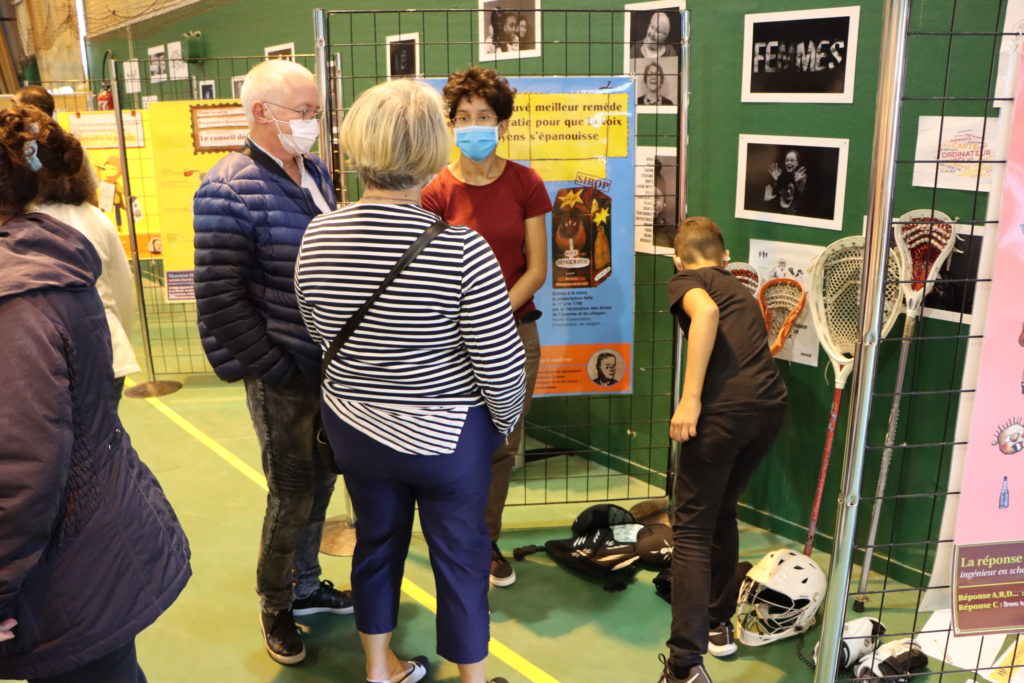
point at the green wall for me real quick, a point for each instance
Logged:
(944, 74)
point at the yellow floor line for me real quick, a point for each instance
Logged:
(506, 654)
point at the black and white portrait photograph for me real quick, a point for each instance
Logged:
(157, 64)
(657, 83)
(792, 180)
(952, 296)
(403, 55)
(283, 51)
(656, 191)
(207, 90)
(651, 52)
(606, 368)
(236, 86)
(509, 29)
(801, 56)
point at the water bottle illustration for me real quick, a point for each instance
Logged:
(1004, 495)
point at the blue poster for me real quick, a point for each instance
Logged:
(578, 134)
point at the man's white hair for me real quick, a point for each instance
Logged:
(268, 82)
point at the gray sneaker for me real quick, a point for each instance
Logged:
(696, 674)
(502, 573)
(721, 642)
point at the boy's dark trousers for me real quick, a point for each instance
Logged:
(714, 468)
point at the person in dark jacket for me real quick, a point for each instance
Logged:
(251, 211)
(90, 550)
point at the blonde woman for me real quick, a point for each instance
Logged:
(420, 395)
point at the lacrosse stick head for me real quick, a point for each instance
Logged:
(834, 298)
(747, 274)
(925, 240)
(782, 301)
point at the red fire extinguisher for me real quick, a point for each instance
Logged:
(105, 100)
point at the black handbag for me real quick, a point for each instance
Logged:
(353, 322)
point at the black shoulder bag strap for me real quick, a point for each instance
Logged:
(357, 317)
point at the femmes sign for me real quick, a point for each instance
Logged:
(804, 56)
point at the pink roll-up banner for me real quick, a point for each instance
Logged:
(988, 565)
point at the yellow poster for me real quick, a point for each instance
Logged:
(97, 130)
(179, 165)
(563, 135)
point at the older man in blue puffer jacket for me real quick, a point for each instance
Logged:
(251, 211)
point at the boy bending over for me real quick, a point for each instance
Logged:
(731, 409)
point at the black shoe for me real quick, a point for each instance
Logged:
(499, 679)
(281, 636)
(721, 642)
(326, 598)
(502, 573)
(696, 674)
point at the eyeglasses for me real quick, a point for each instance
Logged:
(482, 119)
(306, 114)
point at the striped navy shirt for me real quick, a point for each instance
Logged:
(440, 339)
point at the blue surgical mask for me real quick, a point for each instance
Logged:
(31, 150)
(477, 142)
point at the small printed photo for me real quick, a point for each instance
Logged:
(653, 31)
(797, 181)
(283, 51)
(655, 208)
(509, 29)
(800, 56)
(132, 79)
(157, 64)
(177, 69)
(657, 83)
(952, 296)
(606, 368)
(207, 90)
(236, 86)
(403, 55)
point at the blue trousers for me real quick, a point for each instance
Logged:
(385, 487)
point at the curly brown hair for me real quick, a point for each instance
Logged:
(58, 152)
(479, 82)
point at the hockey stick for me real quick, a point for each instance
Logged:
(925, 240)
(834, 298)
(782, 301)
(747, 274)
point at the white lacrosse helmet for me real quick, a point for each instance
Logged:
(779, 597)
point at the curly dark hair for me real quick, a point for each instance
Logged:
(479, 82)
(58, 152)
(37, 96)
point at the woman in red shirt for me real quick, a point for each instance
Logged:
(506, 203)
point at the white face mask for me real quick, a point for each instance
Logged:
(304, 134)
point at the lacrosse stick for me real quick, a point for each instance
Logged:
(747, 274)
(834, 297)
(925, 240)
(782, 300)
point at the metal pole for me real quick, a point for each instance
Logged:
(339, 106)
(684, 109)
(323, 81)
(339, 533)
(891, 71)
(151, 387)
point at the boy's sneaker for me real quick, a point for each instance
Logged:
(326, 598)
(502, 573)
(281, 636)
(721, 641)
(696, 674)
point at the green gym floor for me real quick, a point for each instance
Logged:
(550, 626)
